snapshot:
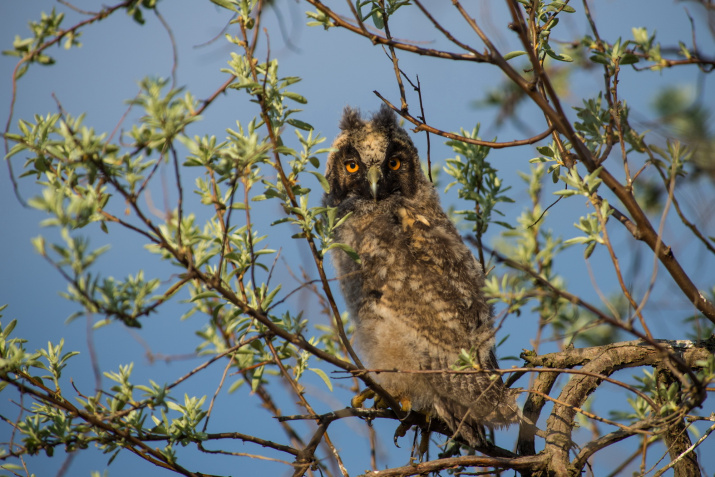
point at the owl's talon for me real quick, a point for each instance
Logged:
(408, 418)
(405, 423)
(380, 403)
(359, 400)
(400, 432)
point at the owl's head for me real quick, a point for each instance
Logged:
(373, 160)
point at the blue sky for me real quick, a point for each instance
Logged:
(338, 69)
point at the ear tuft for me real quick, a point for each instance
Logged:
(351, 119)
(385, 118)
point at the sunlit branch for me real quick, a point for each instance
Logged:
(421, 126)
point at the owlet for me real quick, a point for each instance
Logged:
(415, 294)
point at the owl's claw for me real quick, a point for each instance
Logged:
(359, 400)
(410, 419)
(401, 431)
(405, 423)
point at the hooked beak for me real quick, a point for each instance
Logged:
(374, 174)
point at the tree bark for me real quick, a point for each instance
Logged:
(676, 437)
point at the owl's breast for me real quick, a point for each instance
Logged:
(413, 267)
(384, 253)
(395, 263)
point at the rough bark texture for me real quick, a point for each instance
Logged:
(677, 439)
(532, 410)
(600, 362)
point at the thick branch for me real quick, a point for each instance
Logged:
(605, 441)
(676, 436)
(532, 410)
(601, 360)
(530, 463)
(638, 352)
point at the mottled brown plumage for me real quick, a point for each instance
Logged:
(415, 295)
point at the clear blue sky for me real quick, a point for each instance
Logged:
(338, 69)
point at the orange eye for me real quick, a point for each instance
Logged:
(352, 167)
(394, 164)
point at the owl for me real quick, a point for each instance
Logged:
(415, 294)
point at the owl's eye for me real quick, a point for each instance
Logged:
(394, 164)
(351, 167)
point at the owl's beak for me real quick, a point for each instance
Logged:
(374, 174)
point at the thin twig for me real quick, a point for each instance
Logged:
(421, 126)
(393, 56)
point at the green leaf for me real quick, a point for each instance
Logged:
(21, 71)
(545, 150)
(589, 250)
(323, 181)
(207, 294)
(226, 4)
(600, 58)
(295, 97)
(514, 54)
(10, 326)
(576, 240)
(629, 59)
(236, 385)
(256, 379)
(566, 192)
(323, 376)
(684, 50)
(377, 19)
(640, 35)
(39, 244)
(345, 247)
(297, 123)
(560, 56)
